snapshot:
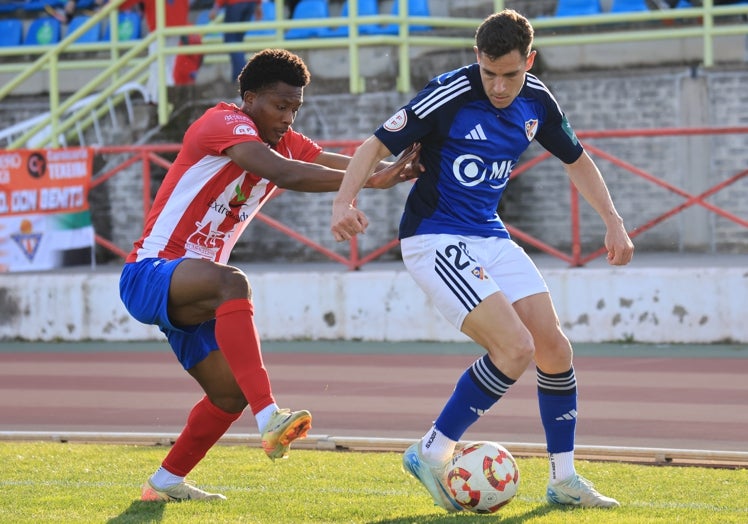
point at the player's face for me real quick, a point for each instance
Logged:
(504, 76)
(273, 109)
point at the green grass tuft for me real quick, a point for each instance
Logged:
(100, 483)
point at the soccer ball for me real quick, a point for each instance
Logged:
(483, 477)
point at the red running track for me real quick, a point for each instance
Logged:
(672, 403)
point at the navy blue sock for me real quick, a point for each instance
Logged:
(557, 398)
(479, 388)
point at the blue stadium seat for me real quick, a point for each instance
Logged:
(309, 9)
(92, 35)
(43, 31)
(578, 7)
(628, 6)
(415, 8)
(365, 8)
(268, 15)
(128, 26)
(11, 7)
(11, 32)
(40, 5)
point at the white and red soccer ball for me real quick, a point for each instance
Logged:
(483, 477)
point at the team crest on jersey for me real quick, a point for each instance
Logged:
(397, 121)
(531, 126)
(244, 129)
(479, 273)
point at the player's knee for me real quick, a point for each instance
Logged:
(514, 356)
(523, 351)
(234, 284)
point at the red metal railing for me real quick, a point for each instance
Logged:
(148, 155)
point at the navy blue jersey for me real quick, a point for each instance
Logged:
(469, 148)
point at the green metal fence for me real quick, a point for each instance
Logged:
(114, 63)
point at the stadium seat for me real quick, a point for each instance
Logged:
(415, 8)
(628, 6)
(40, 5)
(43, 31)
(268, 15)
(578, 7)
(308, 9)
(11, 32)
(92, 35)
(128, 26)
(11, 7)
(365, 8)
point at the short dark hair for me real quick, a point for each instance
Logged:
(271, 66)
(503, 32)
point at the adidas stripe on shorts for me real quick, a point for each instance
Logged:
(459, 272)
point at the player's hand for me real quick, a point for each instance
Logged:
(619, 246)
(406, 167)
(347, 221)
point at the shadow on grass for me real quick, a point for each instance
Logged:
(140, 512)
(468, 518)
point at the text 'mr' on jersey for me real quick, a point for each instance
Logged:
(469, 149)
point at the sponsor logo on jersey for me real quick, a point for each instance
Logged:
(531, 127)
(471, 170)
(240, 197)
(397, 121)
(476, 133)
(227, 211)
(205, 241)
(244, 129)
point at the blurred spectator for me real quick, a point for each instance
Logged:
(66, 13)
(177, 12)
(237, 11)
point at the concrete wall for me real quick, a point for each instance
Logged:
(655, 303)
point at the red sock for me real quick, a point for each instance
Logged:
(238, 340)
(205, 425)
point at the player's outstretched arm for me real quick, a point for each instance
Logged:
(347, 221)
(586, 177)
(406, 167)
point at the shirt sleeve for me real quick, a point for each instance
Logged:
(557, 136)
(299, 147)
(223, 129)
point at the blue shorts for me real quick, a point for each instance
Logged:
(144, 290)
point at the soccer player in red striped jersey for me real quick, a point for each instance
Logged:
(177, 278)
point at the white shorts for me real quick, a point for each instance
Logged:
(459, 272)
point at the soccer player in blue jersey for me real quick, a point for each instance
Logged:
(473, 124)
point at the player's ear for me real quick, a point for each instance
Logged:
(530, 60)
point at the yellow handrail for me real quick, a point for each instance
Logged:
(134, 59)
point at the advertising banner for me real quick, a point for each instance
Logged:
(45, 222)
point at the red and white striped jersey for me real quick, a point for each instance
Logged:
(206, 201)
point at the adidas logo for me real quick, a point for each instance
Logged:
(478, 411)
(476, 134)
(571, 415)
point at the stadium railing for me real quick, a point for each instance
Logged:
(119, 62)
(149, 155)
